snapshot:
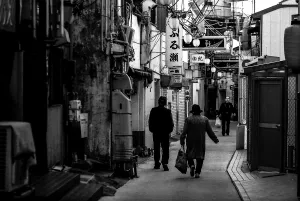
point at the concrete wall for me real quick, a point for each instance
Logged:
(94, 93)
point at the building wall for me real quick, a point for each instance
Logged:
(136, 43)
(149, 104)
(94, 92)
(273, 27)
(137, 100)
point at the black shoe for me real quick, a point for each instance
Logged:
(227, 134)
(197, 175)
(165, 168)
(157, 166)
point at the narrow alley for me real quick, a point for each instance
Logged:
(214, 182)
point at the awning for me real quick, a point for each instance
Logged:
(141, 74)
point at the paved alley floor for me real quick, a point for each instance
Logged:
(261, 186)
(214, 182)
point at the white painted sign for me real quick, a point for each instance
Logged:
(173, 47)
(197, 58)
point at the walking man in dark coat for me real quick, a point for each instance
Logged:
(161, 125)
(225, 113)
(194, 130)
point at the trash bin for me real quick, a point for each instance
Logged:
(240, 136)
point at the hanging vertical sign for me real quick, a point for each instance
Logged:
(174, 47)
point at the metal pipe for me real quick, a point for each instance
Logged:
(298, 143)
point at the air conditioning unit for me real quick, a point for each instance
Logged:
(10, 171)
(129, 32)
(16, 152)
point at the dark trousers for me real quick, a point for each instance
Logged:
(198, 166)
(163, 142)
(225, 121)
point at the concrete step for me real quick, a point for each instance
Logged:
(55, 185)
(84, 192)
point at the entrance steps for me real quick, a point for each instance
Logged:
(62, 186)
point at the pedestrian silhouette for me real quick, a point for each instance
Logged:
(161, 125)
(226, 111)
(194, 130)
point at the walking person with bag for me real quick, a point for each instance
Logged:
(194, 130)
(161, 125)
(226, 111)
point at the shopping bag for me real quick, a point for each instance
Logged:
(218, 122)
(181, 161)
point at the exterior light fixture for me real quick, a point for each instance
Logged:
(219, 74)
(174, 23)
(213, 69)
(164, 2)
(188, 38)
(207, 61)
(196, 42)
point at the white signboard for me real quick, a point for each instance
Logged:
(176, 70)
(173, 47)
(197, 58)
(84, 124)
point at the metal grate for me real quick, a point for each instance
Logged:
(291, 122)
(3, 141)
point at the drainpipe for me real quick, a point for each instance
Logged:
(112, 4)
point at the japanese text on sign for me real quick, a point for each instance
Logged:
(197, 58)
(173, 47)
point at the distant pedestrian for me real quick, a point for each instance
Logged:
(161, 125)
(225, 113)
(194, 130)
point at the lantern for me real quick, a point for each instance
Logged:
(292, 46)
(207, 61)
(219, 74)
(188, 38)
(174, 23)
(196, 42)
(213, 69)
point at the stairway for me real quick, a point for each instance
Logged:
(62, 186)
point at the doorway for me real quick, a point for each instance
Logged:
(269, 113)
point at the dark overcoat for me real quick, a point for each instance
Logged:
(194, 131)
(161, 121)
